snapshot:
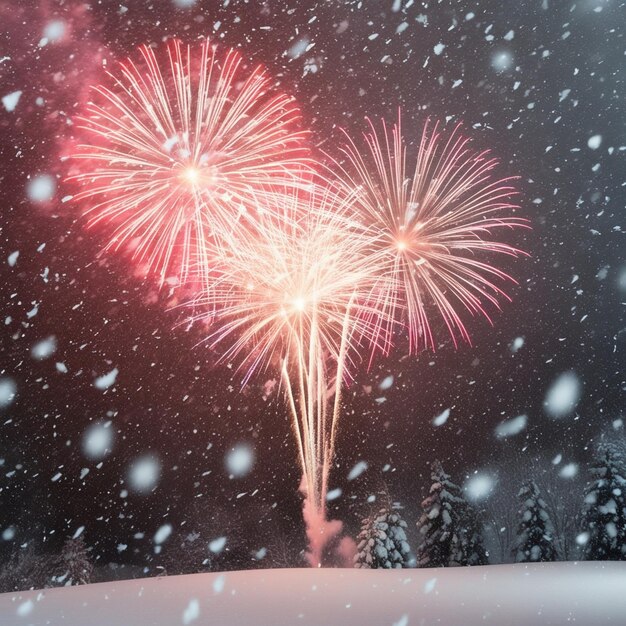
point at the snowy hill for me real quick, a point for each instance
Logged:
(502, 595)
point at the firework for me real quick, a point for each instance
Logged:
(202, 171)
(174, 149)
(434, 222)
(293, 296)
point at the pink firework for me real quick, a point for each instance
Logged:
(200, 169)
(435, 221)
(175, 148)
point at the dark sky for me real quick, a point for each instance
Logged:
(534, 81)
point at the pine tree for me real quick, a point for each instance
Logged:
(26, 569)
(76, 563)
(472, 544)
(440, 523)
(535, 532)
(604, 510)
(382, 542)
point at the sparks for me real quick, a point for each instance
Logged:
(435, 222)
(192, 175)
(176, 146)
(301, 274)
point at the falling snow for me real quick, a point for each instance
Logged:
(8, 389)
(563, 395)
(128, 429)
(41, 188)
(192, 612)
(144, 474)
(479, 486)
(44, 349)
(511, 427)
(11, 100)
(239, 460)
(442, 418)
(98, 440)
(106, 380)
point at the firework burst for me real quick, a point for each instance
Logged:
(434, 223)
(173, 151)
(328, 276)
(292, 296)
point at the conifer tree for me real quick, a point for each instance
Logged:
(382, 542)
(440, 523)
(472, 543)
(27, 569)
(76, 563)
(604, 509)
(535, 532)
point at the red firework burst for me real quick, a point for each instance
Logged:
(435, 221)
(173, 149)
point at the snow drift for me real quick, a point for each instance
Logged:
(503, 595)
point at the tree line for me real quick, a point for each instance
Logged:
(451, 529)
(547, 523)
(27, 569)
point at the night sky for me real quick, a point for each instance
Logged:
(540, 83)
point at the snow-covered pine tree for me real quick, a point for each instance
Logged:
(604, 510)
(472, 544)
(78, 568)
(439, 524)
(382, 542)
(535, 532)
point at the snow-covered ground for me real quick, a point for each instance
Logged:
(502, 595)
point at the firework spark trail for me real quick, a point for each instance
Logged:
(170, 155)
(293, 296)
(434, 222)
